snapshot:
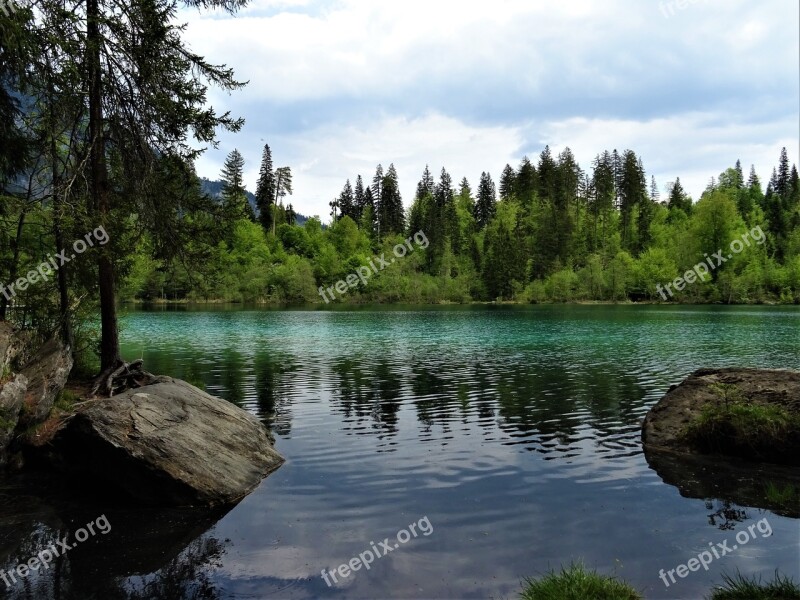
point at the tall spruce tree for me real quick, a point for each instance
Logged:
(486, 203)
(390, 212)
(358, 199)
(234, 194)
(347, 201)
(507, 182)
(265, 189)
(678, 198)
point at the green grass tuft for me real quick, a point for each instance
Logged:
(786, 496)
(576, 583)
(739, 587)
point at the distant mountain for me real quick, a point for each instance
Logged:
(214, 189)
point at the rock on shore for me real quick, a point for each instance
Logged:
(168, 443)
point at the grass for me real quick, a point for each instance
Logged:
(66, 399)
(577, 583)
(739, 587)
(742, 428)
(786, 496)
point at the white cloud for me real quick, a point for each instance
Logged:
(325, 157)
(336, 87)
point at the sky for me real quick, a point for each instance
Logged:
(337, 87)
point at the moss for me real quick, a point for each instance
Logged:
(739, 587)
(577, 583)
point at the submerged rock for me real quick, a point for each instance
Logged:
(169, 444)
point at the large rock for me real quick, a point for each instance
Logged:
(168, 443)
(47, 374)
(666, 423)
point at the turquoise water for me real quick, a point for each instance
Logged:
(514, 430)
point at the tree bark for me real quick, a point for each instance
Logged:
(109, 340)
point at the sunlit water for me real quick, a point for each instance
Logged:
(515, 431)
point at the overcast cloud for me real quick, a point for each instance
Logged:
(337, 87)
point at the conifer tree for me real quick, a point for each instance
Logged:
(346, 201)
(358, 199)
(486, 203)
(265, 189)
(507, 182)
(234, 195)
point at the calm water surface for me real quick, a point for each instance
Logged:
(515, 431)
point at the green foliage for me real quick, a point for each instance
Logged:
(577, 583)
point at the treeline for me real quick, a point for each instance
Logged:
(549, 232)
(103, 113)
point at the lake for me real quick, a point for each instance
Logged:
(513, 431)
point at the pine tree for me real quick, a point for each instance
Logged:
(347, 202)
(426, 184)
(678, 198)
(391, 218)
(283, 187)
(144, 96)
(603, 200)
(547, 176)
(377, 197)
(507, 182)
(632, 192)
(265, 189)
(367, 220)
(739, 174)
(464, 189)
(486, 204)
(234, 195)
(782, 179)
(525, 182)
(358, 199)
(654, 193)
(616, 167)
(794, 188)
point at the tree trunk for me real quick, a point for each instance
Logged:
(109, 341)
(58, 203)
